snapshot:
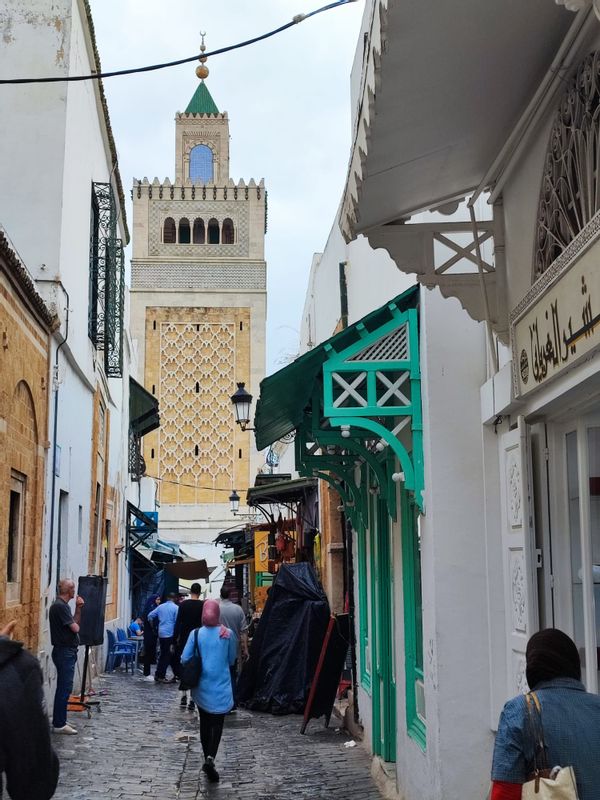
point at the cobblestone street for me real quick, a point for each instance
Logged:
(138, 747)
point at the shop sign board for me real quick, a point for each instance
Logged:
(261, 551)
(558, 322)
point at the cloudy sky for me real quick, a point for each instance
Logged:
(288, 100)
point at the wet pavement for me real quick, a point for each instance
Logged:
(142, 745)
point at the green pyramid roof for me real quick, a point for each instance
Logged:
(202, 102)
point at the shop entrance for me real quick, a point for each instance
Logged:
(573, 538)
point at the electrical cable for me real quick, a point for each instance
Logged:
(153, 67)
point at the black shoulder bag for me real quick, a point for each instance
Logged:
(191, 670)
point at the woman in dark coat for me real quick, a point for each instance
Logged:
(150, 636)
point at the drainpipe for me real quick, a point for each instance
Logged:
(343, 294)
(55, 385)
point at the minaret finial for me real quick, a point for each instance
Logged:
(202, 70)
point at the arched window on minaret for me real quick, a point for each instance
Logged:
(184, 231)
(228, 232)
(169, 231)
(201, 164)
(199, 233)
(213, 231)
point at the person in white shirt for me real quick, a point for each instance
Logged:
(233, 617)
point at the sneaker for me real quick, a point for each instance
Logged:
(191, 706)
(160, 680)
(148, 678)
(66, 730)
(209, 768)
(183, 701)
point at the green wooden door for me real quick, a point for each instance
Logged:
(382, 624)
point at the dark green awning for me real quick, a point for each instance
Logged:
(143, 409)
(281, 492)
(285, 395)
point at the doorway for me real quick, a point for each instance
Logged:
(574, 499)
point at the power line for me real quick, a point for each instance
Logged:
(191, 485)
(153, 67)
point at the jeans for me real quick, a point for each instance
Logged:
(64, 659)
(167, 658)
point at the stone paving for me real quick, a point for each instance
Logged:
(142, 745)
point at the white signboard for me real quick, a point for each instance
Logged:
(559, 325)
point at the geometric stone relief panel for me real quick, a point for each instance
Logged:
(198, 276)
(197, 371)
(518, 591)
(237, 211)
(514, 488)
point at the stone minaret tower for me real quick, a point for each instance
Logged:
(198, 311)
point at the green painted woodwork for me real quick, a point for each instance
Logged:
(363, 606)
(383, 686)
(285, 395)
(202, 102)
(413, 615)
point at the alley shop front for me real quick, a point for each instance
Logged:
(354, 405)
(551, 461)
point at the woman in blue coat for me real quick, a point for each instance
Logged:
(213, 695)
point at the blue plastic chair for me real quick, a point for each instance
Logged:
(118, 650)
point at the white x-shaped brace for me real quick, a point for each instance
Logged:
(462, 252)
(393, 389)
(350, 389)
(404, 421)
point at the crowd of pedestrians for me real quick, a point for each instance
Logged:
(223, 644)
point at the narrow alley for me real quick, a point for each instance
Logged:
(142, 745)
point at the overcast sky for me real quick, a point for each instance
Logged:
(288, 99)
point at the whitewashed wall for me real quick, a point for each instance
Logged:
(54, 145)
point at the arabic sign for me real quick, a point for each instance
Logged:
(261, 551)
(559, 326)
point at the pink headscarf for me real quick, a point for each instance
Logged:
(211, 614)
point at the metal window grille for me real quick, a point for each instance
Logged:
(107, 280)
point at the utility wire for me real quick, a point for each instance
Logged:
(153, 67)
(191, 485)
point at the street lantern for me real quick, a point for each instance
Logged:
(242, 401)
(234, 499)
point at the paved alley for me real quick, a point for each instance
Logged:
(141, 745)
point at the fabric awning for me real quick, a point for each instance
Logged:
(285, 395)
(290, 491)
(143, 409)
(444, 86)
(189, 570)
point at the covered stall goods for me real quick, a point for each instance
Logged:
(287, 643)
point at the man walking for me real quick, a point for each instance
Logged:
(64, 635)
(189, 617)
(166, 614)
(233, 617)
(27, 760)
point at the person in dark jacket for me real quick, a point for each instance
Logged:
(189, 616)
(150, 636)
(28, 763)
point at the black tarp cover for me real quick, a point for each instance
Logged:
(287, 643)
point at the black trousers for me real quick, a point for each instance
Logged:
(166, 658)
(149, 651)
(211, 728)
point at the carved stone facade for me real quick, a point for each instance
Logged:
(198, 310)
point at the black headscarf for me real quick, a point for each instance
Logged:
(551, 654)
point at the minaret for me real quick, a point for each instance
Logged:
(198, 312)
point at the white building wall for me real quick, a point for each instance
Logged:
(453, 554)
(54, 145)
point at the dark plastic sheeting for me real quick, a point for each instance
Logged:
(285, 649)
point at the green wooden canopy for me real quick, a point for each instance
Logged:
(285, 395)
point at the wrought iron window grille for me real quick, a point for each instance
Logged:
(107, 280)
